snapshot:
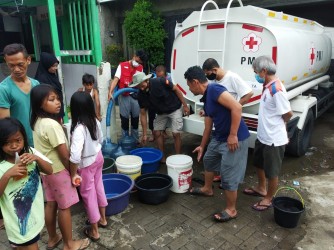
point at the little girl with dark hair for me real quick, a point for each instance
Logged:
(21, 195)
(87, 161)
(50, 139)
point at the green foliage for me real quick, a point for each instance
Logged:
(115, 54)
(144, 29)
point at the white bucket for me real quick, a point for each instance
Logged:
(179, 168)
(129, 165)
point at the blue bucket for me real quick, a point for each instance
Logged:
(151, 159)
(117, 188)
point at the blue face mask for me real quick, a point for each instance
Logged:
(259, 79)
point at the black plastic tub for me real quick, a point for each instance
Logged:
(287, 211)
(153, 188)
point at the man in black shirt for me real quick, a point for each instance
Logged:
(167, 101)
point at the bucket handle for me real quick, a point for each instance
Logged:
(293, 189)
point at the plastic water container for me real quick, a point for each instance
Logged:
(118, 151)
(153, 188)
(151, 159)
(128, 143)
(108, 166)
(129, 165)
(117, 188)
(179, 168)
(108, 147)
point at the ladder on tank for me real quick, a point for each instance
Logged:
(206, 21)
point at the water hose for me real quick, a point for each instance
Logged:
(110, 105)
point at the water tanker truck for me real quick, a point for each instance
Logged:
(301, 49)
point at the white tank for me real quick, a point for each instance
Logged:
(299, 46)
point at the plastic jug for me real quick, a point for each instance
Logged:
(119, 151)
(108, 147)
(128, 143)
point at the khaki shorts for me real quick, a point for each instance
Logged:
(174, 121)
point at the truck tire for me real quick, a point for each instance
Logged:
(300, 140)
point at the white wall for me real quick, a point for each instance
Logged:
(73, 73)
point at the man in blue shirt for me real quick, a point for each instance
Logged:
(15, 89)
(228, 149)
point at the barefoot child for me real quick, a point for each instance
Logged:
(88, 87)
(86, 161)
(50, 139)
(21, 195)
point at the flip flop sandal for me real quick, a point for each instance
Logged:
(82, 243)
(87, 222)
(198, 191)
(92, 238)
(264, 206)
(252, 192)
(217, 178)
(223, 217)
(55, 245)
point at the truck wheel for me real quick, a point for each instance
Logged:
(300, 140)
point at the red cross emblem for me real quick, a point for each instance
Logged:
(251, 42)
(312, 55)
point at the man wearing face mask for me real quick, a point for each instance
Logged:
(234, 84)
(237, 87)
(128, 105)
(272, 137)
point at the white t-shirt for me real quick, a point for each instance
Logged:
(83, 148)
(234, 85)
(274, 103)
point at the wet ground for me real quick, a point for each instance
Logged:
(185, 221)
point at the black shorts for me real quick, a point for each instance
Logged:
(30, 242)
(268, 158)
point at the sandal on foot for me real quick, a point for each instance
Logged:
(217, 178)
(223, 217)
(92, 238)
(84, 244)
(55, 245)
(261, 207)
(87, 222)
(251, 191)
(198, 191)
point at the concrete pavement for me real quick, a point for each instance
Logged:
(185, 221)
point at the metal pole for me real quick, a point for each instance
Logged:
(96, 33)
(34, 37)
